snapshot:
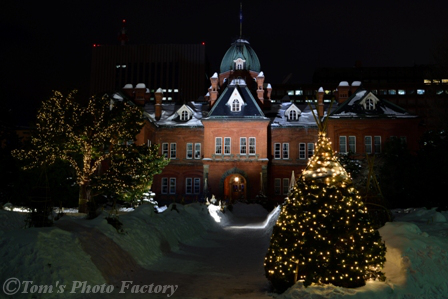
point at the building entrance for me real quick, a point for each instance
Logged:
(235, 187)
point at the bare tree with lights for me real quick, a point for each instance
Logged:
(323, 233)
(89, 137)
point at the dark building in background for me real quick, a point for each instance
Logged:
(179, 69)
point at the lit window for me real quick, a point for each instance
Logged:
(435, 81)
(401, 92)
(227, 146)
(290, 92)
(243, 145)
(299, 92)
(427, 81)
(218, 145)
(392, 92)
(444, 81)
(420, 91)
(252, 143)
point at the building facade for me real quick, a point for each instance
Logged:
(241, 144)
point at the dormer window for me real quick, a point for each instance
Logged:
(370, 104)
(185, 113)
(184, 116)
(239, 63)
(235, 102)
(236, 106)
(292, 113)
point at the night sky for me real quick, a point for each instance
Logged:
(47, 45)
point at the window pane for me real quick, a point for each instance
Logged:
(164, 185)
(188, 185)
(243, 145)
(165, 150)
(218, 145)
(252, 146)
(197, 151)
(276, 150)
(173, 151)
(189, 150)
(342, 144)
(197, 185)
(310, 149)
(172, 185)
(368, 144)
(377, 140)
(227, 146)
(352, 143)
(302, 151)
(285, 150)
(285, 186)
(277, 186)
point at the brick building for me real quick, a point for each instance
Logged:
(241, 144)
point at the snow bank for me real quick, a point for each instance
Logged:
(416, 261)
(73, 249)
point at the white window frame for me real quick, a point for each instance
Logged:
(285, 186)
(227, 145)
(342, 144)
(197, 151)
(352, 144)
(184, 115)
(252, 145)
(173, 150)
(368, 144)
(243, 145)
(164, 186)
(277, 151)
(285, 151)
(302, 151)
(172, 186)
(236, 106)
(218, 145)
(310, 151)
(189, 154)
(277, 186)
(196, 185)
(377, 144)
(165, 149)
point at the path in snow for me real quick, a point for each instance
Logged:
(224, 263)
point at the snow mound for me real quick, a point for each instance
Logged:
(11, 221)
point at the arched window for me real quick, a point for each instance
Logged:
(293, 115)
(184, 115)
(370, 104)
(236, 106)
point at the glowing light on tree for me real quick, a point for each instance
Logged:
(90, 137)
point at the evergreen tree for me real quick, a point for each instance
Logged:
(88, 137)
(323, 234)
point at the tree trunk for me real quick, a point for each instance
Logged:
(84, 198)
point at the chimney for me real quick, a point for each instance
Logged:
(140, 91)
(355, 86)
(213, 89)
(343, 90)
(320, 103)
(269, 89)
(260, 90)
(128, 89)
(158, 106)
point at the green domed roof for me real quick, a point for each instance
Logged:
(240, 49)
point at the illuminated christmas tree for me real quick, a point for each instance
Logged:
(323, 234)
(91, 136)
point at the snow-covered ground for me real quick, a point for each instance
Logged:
(185, 253)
